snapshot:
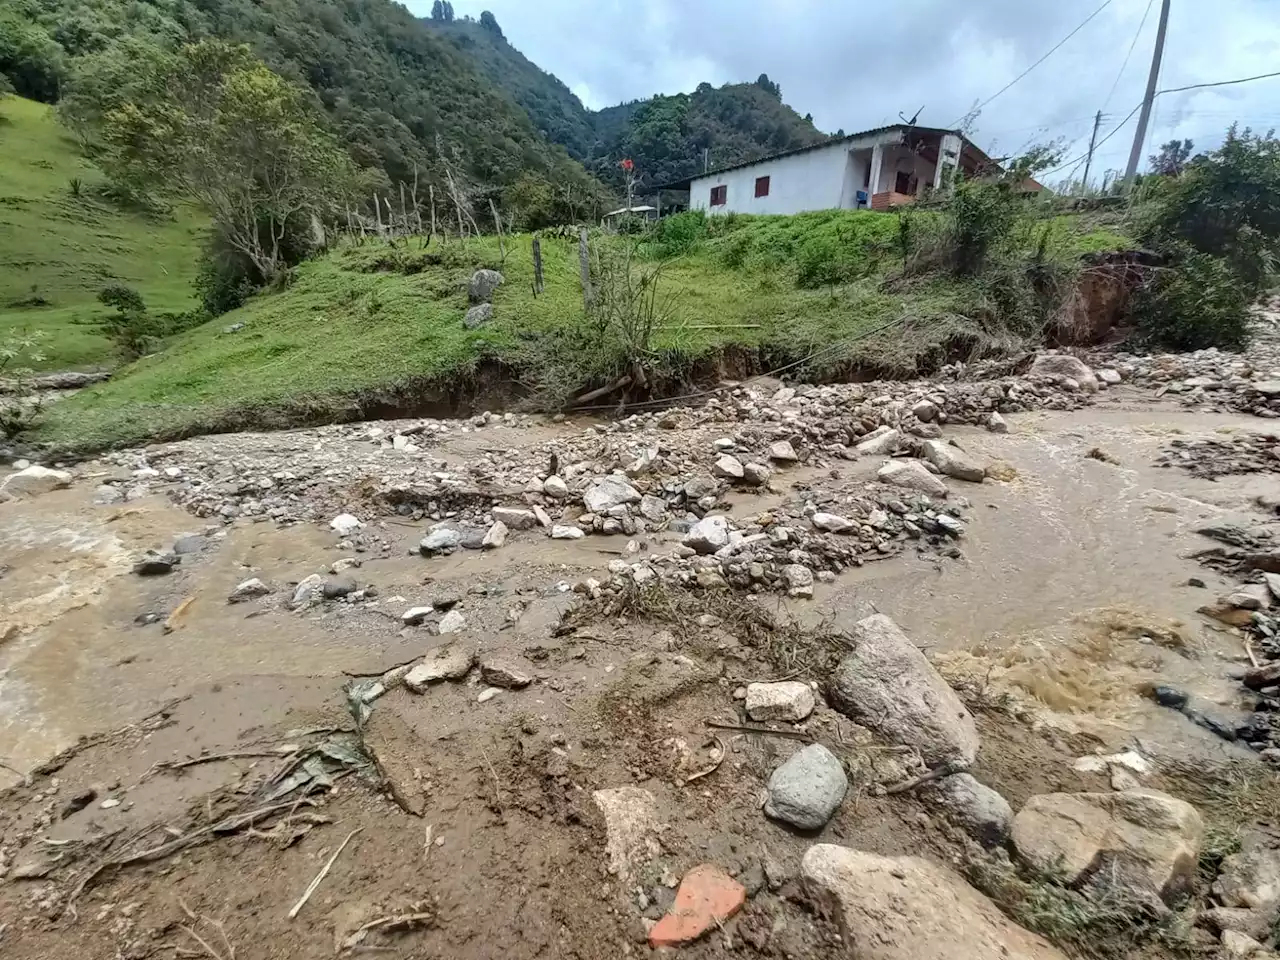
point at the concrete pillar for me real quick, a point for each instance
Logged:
(948, 156)
(877, 158)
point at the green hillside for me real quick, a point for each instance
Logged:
(374, 325)
(59, 249)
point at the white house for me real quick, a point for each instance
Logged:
(878, 169)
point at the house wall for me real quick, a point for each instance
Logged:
(813, 180)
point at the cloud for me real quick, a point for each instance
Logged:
(855, 65)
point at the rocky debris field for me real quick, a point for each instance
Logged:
(678, 757)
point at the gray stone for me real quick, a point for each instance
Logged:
(700, 486)
(755, 474)
(451, 662)
(906, 908)
(482, 285)
(562, 532)
(34, 481)
(609, 492)
(799, 580)
(189, 544)
(997, 423)
(806, 790)
(335, 588)
(515, 519)
(1251, 878)
(1268, 388)
(504, 674)
(477, 316)
(631, 828)
(1110, 377)
(788, 700)
(155, 564)
(728, 468)
(887, 684)
(1061, 365)
(307, 591)
(832, 523)
(416, 615)
(881, 441)
(248, 590)
(496, 535)
(452, 622)
(982, 812)
(911, 475)
(653, 509)
(783, 452)
(708, 535)
(642, 464)
(926, 411)
(440, 540)
(1144, 841)
(555, 488)
(952, 461)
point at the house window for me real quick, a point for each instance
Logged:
(762, 186)
(905, 183)
(719, 195)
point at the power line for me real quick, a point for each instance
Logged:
(1136, 35)
(1106, 4)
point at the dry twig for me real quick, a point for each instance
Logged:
(714, 767)
(743, 728)
(324, 872)
(946, 770)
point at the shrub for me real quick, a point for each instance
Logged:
(680, 234)
(20, 405)
(129, 326)
(1196, 302)
(821, 262)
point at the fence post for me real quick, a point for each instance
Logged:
(537, 266)
(584, 267)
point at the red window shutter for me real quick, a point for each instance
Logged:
(762, 186)
(719, 195)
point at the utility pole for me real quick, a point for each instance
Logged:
(706, 159)
(1093, 138)
(1140, 136)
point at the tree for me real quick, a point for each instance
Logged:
(437, 10)
(30, 58)
(808, 118)
(490, 23)
(768, 86)
(219, 128)
(448, 11)
(1172, 158)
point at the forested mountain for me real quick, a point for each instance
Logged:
(664, 136)
(405, 94)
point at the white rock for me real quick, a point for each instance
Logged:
(609, 492)
(911, 475)
(307, 591)
(1067, 367)
(997, 423)
(708, 535)
(452, 622)
(495, 536)
(554, 487)
(728, 468)
(415, 615)
(952, 461)
(488, 694)
(1110, 377)
(345, 524)
(631, 829)
(832, 523)
(879, 442)
(755, 474)
(515, 519)
(35, 480)
(560, 532)
(451, 662)
(173, 473)
(926, 411)
(248, 590)
(440, 540)
(799, 580)
(788, 700)
(783, 452)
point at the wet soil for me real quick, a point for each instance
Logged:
(1073, 590)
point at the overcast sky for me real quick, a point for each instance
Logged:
(855, 65)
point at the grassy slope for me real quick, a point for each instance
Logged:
(345, 329)
(65, 249)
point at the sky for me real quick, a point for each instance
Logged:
(854, 65)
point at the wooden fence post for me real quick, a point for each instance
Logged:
(537, 266)
(584, 267)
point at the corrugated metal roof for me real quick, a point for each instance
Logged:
(687, 181)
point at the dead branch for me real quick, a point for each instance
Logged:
(324, 872)
(743, 728)
(946, 770)
(395, 922)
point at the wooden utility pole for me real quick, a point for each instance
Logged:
(1140, 135)
(1088, 162)
(537, 266)
(584, 266)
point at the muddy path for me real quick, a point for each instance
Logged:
(1071, 590)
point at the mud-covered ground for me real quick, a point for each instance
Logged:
(476, 832)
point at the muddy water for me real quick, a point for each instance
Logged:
(1073, 579)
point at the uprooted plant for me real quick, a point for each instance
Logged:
(20, 403)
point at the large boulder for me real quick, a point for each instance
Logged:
(33, 481)
(911, 475)
(906, 908)
(1251, 877)
(478, 316)
(980, 811)
(482, 285)
(1062, 365)
(708, 535)
(806, 790)
(952, 461)
(887, 684)
(1143, 841)
(609, 492)
(881, 440)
